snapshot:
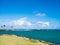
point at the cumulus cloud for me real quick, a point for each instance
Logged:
(40, 14)
(21, 22)
(25, 23)
(28, 23)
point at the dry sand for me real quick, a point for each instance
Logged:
(17, 40)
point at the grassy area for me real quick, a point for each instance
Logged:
(16, 40)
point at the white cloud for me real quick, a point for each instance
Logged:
(43, 24)
(25, 23)
(22, 22)
(29, 23)
(40, 14)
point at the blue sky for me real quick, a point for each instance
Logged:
(34, 13)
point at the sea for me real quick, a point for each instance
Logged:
(49, 35)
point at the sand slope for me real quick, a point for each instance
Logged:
(16, 40)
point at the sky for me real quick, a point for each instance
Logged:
(30, 14)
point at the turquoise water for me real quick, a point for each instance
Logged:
(47, 35)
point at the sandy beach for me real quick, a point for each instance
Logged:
(17, 40)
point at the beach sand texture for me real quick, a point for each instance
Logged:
(17, 40)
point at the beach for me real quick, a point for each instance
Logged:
(17, 40)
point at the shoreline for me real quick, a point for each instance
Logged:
(25, 39)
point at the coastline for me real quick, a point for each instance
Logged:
(6, 39)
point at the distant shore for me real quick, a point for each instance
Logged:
(18, 40)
